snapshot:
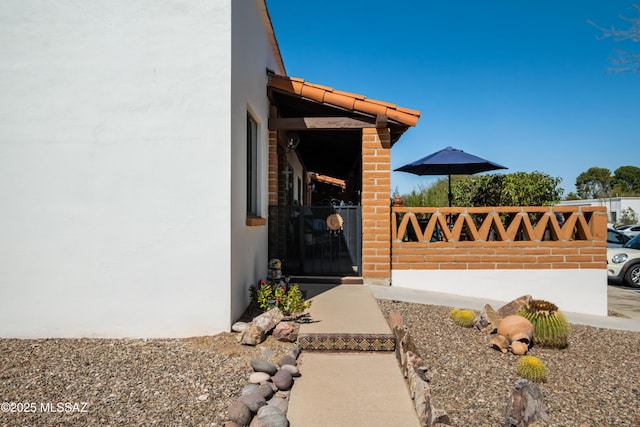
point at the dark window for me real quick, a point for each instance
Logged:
(252, 166)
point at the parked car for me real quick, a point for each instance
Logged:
(623, 264)
(633, 230)
(622, 227)
(616, 239)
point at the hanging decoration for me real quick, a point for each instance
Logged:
(335, 222)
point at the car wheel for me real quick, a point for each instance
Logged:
(632, 277)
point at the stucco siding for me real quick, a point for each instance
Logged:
(572, 290)
(252, 55)
(114, 168)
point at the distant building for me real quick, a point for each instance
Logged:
(614, 205)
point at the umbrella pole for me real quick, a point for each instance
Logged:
(450, 195)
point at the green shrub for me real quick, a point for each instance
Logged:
(550, 327)
(532, 368)
(268, 295)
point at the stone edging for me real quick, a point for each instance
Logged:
(265, 400)
(414, 370)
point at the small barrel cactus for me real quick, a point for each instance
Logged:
(550, 327)
(464, 317)
(532, 368)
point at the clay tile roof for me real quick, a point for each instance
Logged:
(347, 100)
(328, 180)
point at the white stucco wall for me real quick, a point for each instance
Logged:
(572, 290)
(252, 55)
(115, 167)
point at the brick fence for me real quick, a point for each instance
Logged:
(555, 253)
(499, 238)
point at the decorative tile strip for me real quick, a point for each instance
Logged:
(346, 342)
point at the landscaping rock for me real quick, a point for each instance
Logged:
(271, 416)
(248, 389)
(239, 413)
(283, 380)
(253, 401)
(265, 390)
(279, 402)
(514, 306)
(285, 394)
(525, 406)
(287, 360)
(262, 365)
(294, 352)
(293, 370)
(239, 326)
(395, 319)
(259, 377)
(232, 424)
(488, 320)
(286, 331)
(260, 326)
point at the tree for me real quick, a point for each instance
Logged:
(628, 216)
(434, 195)
(515, 189)
(595, 183)
(626, 181)
(626, 61)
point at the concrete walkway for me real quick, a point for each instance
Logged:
(366, 388)
(348, 388)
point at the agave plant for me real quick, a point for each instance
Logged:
(550, 327)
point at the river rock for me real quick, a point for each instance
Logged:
(259, 377)
(239, 326)
(283, 380)
(280, 403)
(254, 401)
(265, 390)
(248, 389)
(293, 370)
(239, 413)
(272, 416)
(294, 352)
(261, 365)
(287, 360)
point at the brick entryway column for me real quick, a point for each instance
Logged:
(376, 206)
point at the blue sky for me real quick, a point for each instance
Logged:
(521, 83)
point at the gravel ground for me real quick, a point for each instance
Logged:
(593, 382)
(190, 382)
(99, 382)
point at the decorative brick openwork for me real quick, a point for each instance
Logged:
(376, 206)
(499, 238)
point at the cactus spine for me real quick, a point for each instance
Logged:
(464, 317)
(532, 368)
(550, 327)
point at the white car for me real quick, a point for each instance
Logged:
(623, 264)
(632, 230)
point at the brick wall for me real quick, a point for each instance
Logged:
(376, 209)
(578, 243)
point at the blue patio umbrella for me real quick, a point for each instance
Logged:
(449, 161)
